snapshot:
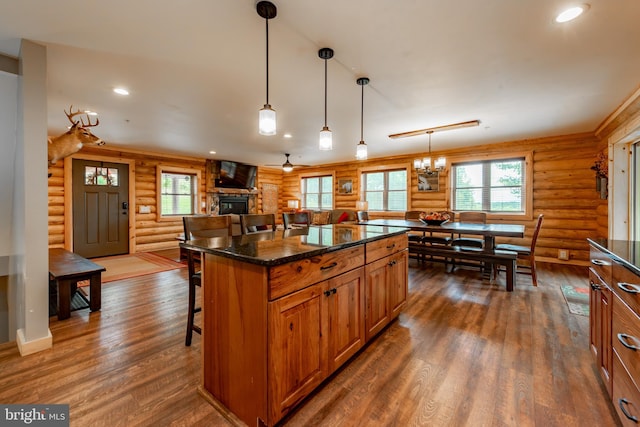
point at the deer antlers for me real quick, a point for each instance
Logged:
(70, 115)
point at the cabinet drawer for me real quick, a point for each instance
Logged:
(385, 247)
(601, 264)
(626, 284)
(626, 396)
(626, 337)
(296, 275)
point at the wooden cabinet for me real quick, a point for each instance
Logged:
(614, 324)
(600, 326)
(626, 344)
(272, 334)
(312, 332)
(386, 283)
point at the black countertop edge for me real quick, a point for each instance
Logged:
(603, 246)
(208, 246)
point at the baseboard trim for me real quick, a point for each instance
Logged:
(29, 347)
(559, 261)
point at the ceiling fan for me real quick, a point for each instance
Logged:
(435, 129)
(288, 166)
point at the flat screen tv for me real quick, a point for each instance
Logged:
(236, 175)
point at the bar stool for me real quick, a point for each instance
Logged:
(200, 227)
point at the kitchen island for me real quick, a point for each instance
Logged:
(283, 310)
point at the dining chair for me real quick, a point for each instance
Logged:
(469, 242)
(255, 223)
(362, 216)
(301, 219)
(470, 217)
(439, 238)
(525, 253)
(200, 227)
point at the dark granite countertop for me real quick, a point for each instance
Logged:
(282, 246)
(626, 252)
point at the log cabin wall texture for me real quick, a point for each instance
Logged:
(563, 190)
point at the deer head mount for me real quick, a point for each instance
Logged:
(74, 139)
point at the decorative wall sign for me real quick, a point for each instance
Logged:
(269, 198)
(428, 181)
(345, 186)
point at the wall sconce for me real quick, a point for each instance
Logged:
(292, 205)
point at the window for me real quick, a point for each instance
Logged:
(178, 191)
(317, 192)
(100, 176)
(385, 190)
(490, 186)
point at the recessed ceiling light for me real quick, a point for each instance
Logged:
(287, 135)
(571, 13)
(121, 91)
(212, 152)
(91, 113)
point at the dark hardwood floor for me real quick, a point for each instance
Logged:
(463, 353)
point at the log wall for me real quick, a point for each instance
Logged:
(563, 190)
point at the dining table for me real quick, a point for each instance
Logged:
(488, 231)
(487, 255)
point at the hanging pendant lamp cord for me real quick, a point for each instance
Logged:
(267, 38)
(362, 114)
(325, 93)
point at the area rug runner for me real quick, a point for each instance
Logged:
(577, 299)
(133, 265)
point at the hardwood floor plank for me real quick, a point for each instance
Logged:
(463, 352)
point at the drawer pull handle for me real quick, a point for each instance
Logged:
(598, 262)
(391, 246)
(630, 288)
(327, 267)
(327, 293)
(622, 402)
(624, 339)
(594, 286)
(392, 263)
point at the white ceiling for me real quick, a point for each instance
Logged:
(196, 71)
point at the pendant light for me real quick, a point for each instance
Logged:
(267, 117)
(361, 148)
(326, 141)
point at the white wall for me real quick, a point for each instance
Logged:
(8, 113)
(29, 267)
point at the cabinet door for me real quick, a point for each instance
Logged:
(377, 307)
(344, 297)
(397, 279)
(297, 349)
(600, 327)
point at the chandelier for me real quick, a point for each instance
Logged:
(424, 165)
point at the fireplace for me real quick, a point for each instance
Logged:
(233, 205)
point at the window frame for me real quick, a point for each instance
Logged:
(527, 185)
(387, 168)
(317, 175)
(196, 195)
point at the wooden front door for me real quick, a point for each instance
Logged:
(100, 208)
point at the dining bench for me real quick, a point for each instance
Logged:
(497, 257)
(66, 269)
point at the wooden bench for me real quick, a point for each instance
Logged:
(498, 257)
(66, 269)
